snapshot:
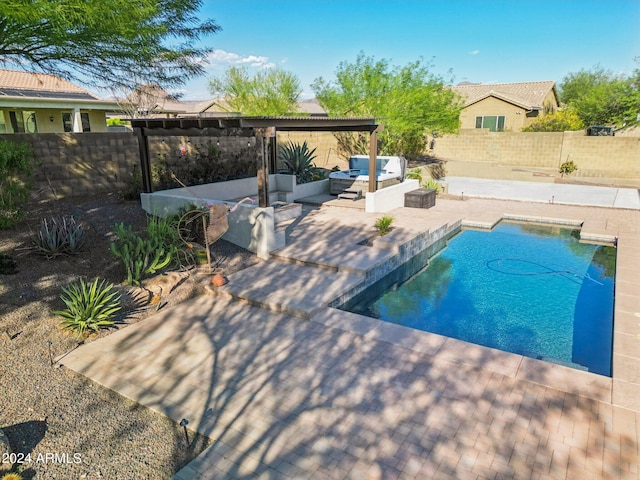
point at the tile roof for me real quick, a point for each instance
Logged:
(526, 94)
(26, 84)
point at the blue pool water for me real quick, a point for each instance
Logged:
(528, 289)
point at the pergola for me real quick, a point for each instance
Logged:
(262, 128)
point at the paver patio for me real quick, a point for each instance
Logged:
(313, 392)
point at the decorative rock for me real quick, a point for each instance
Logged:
(218, 280)
(163, 284)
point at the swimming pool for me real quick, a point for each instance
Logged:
(528, 289)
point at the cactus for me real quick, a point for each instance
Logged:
(141, 257)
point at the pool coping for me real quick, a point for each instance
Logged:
(621, 389)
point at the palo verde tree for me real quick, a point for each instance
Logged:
(412, 101)
(269, 92)
(106, 43)
(564, 120)
(600, 97)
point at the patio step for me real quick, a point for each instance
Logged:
(297, 290)
(351, 194)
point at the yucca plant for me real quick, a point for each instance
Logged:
(12, 476)
(59, 236)
(298, 160)
(89, 306)
(383, 224)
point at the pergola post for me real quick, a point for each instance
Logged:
(145, 164)
(373, 156)
(263, 136)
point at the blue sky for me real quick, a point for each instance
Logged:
(490, 41)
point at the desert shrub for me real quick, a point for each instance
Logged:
(568, 167)
(89, 306)
(383, 224)
(205, 164)
(15, 170)
(432, 184)
(8, 265)
(561, 121)
(59, 236)
(133, 187)
(438, 170)
(415, 174)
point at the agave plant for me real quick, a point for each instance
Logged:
(59, 235)
(89, 306)
(298, 160)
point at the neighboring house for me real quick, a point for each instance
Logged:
(311, 107)
(505, 106)
(153, 101)
(41, 103)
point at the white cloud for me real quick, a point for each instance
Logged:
(474, 52)
(222, 57)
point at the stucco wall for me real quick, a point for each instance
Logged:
(515, 117)
(97, 119)
(596, 157)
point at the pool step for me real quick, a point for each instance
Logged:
(351, 194)
(270, 285)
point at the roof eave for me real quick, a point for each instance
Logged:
(8, 101)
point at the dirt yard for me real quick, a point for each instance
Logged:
(51, 410)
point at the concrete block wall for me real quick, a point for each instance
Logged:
(603, 157)
(325, 143)
(80, 163)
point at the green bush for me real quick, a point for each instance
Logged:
(432, 184)
(203, 164)
(8, 265)
(438, 170)
(15, 171)
(298, 161)
(566, 120)
(58, 236)
(415, 174)
(568, 167)
(383, 224)
(89, 306)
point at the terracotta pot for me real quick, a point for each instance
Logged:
(218, 280)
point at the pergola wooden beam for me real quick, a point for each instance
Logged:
(263, 128)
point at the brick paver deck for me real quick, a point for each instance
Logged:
(285, 397)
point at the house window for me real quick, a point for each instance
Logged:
(23, 121)
(3, 125)
(495, 123)
(84, 117)
(67, 122)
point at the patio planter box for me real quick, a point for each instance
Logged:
(420, 198)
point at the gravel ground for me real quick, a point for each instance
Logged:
(46, 410)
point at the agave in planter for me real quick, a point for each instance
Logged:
(298, 160)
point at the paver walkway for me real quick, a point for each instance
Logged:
(286, 397)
